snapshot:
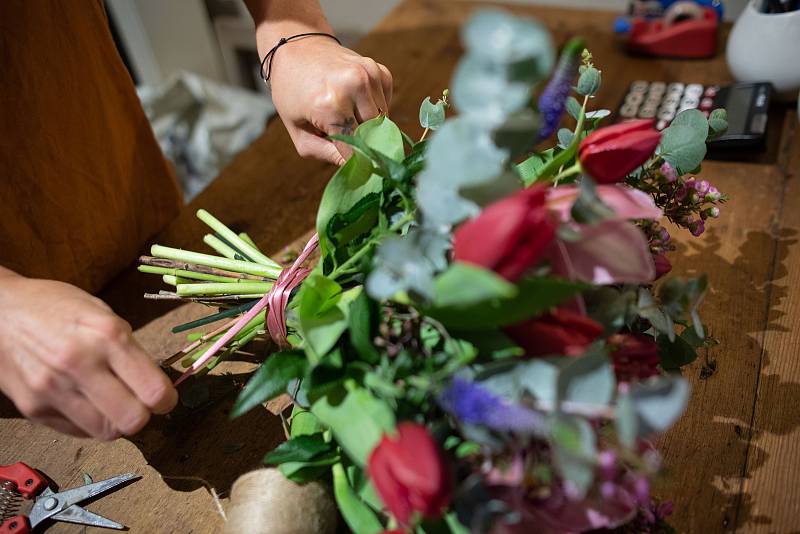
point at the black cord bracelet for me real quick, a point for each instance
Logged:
(283, 40)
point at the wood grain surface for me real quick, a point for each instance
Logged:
(732, 462)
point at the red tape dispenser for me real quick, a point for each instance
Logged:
(686, 30)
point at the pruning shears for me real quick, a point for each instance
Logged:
(20, 481)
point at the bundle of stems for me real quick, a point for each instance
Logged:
(233, 280)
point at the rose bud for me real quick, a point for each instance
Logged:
(610, 153)
(635, 356)
(409, 473)
(559, 332)
(509, 236)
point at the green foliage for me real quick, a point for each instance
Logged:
(350, 205)
(356, 418)
(573, 107)
(717, 123)
(533, 297)
(658, 403)
(322, 312)
(588, 81)
(680, 351)
(270, 380)
(574, 449)
(683, 142)
(587, 380)
(588, 208)
(358, 516)
(431, 115)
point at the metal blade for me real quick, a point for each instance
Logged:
(76, 514)
(72, 496)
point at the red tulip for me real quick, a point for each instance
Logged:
(509, 236)
(610, 153)
(635, 356)
(409, 473)
(558, 332)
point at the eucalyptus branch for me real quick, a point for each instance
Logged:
(564, 156)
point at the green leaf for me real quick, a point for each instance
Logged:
(357, 420)
(678, 352)
(529, 169)
(363, 312)
(431, 115)
(626, 421)
(587, 380)
(589, 82)
(565, 136)
(573, 107)
(648, 309)
(298, 449)
(574, 450)
(321, 330)
(517, 380)
(534, 296)
(358, 516)
(304, 423)
(383, 135)
(270, 380)
(306, 471)
(717, 123)
(683, 143)
(349, 208)
(466, 285)
(659, 402)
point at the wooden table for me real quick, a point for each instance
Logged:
(732, 462)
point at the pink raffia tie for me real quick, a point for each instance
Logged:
(276, 300)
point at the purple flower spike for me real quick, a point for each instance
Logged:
(554, 97)
(476, 405)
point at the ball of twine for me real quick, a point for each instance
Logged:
(266, 502)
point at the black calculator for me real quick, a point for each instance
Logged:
(746, 104)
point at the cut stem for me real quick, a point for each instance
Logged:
(230, 236)
(223, 248)
(170, 264)
(184, 274)
(224, 288)
(199, 258)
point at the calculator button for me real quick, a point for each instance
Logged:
(711, 91)
(639, 86)
(671, 100)
(694, 89)
(666, 114)
(758, 124)
(689, 102)
(657, 88)
(761, 99)
(660, 125)
(634, 99)
(706, 103)
(675, 88)
(627, 111)
(647, 112)
(652, 101)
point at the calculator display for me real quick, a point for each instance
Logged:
(738, 108)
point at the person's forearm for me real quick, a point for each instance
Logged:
(4, 273)
(282, 18)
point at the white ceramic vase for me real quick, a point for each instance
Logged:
(766, 47)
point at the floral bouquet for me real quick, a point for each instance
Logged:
(486, 342)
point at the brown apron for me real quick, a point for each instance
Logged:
(83, 183)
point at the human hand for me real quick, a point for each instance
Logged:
(321, 88)
(69, 362)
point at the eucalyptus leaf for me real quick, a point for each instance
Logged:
(573, 107)
(587, 380)
(464, 284)
(574, 447)
(299, 449)
(626, 421)
(565, 136)
(431, 115)
(589, 82)
(659, 402)
(683, 143)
